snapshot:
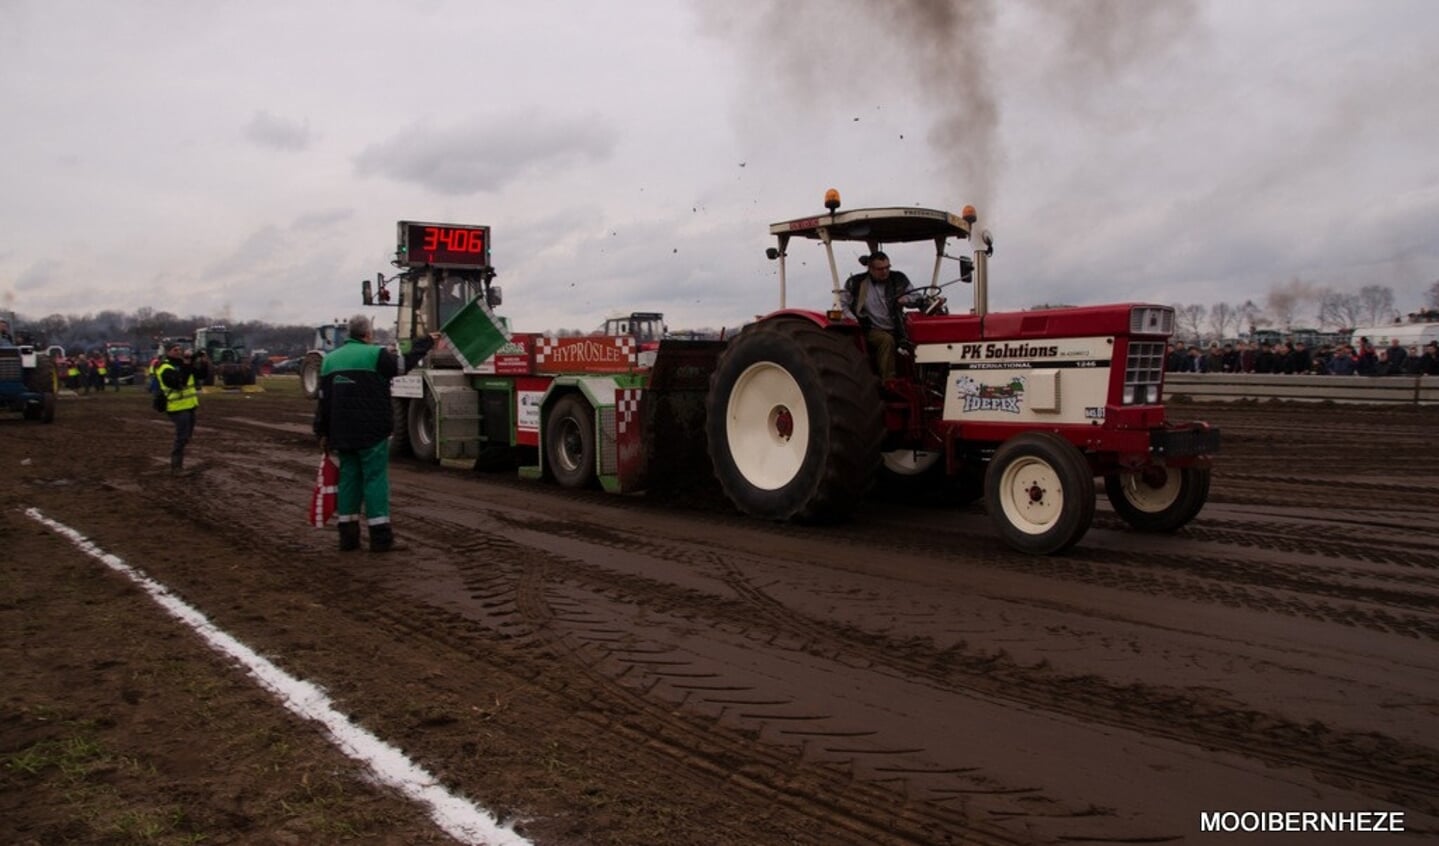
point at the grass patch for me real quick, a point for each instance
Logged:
(73, 764)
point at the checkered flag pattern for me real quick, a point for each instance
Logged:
(627, 409)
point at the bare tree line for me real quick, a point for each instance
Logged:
(144, 327)
(1292, 305)
(1286, 307)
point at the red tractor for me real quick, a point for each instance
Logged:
(1024, 408)
(1029, 408)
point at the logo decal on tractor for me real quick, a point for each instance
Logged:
(978, 396)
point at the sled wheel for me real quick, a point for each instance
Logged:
(1157, 498)
(421, 423)
(310, 373)
(570, 442)
(1040, 493)
(794, 422)
(399, 427)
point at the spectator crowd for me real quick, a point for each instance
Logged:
(1296, 357)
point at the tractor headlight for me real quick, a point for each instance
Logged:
(1151, 320)
(1128, 396)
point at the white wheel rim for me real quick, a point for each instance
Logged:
(910, 462)
(1032, 495)
(1146, 496)
(767, 426)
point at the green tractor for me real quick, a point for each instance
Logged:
(230, 363)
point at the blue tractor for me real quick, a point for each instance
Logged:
(27, 376)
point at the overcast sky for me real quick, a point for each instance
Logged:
(250, 159)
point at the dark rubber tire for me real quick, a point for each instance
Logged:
(400, 427)
(570, 442)
(794, 421)
(1040, 492)
(1160, 499)
(42, 379)
(310, 373)
(421, 423)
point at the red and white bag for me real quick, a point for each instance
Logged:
(322, 501)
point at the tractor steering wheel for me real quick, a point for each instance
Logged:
(932, 302)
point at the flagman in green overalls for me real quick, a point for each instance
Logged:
(353, 419)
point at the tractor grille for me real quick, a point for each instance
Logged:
(1143, 372)
(10, 370)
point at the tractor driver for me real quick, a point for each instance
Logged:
(876, 300)
(5, 336)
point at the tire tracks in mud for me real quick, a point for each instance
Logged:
(507, 599)
(508, 585)
(506, 604)
(524, 606)
(1379, 766)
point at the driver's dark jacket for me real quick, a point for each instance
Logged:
(895, 287)
(353, 411)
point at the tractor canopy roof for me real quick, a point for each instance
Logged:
(883, 225)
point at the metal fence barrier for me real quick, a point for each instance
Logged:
(1359, 390)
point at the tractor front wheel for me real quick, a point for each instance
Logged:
(794, 422)
(421, 423)
(400, 427)
(310, 373)
(1040, 492)
(1158, 498)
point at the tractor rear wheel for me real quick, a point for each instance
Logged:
(794, 422)
(570, 442)
(421, 423)
(1040, 492)
(310, 373)
(41, 379)
(1157, 498)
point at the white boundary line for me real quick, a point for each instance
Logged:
(459, 818)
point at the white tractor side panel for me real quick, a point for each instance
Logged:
(1061, 380)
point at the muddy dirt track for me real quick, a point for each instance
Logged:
(630, 670)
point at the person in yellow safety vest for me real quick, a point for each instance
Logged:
(72, 373)
(177, 383)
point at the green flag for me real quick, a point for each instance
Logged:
(474, 333)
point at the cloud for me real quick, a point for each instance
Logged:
(278, 133)
(38, 276)
(484, 157)
(323, 218)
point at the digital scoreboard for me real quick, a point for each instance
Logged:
(443, 245)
